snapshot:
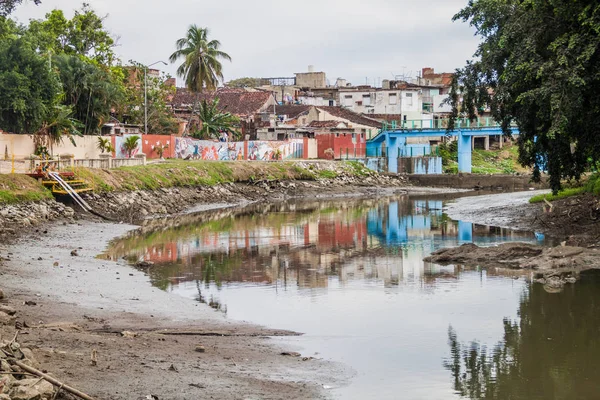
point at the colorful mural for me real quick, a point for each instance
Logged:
(120, 151)
(265, 151)
(192, 149)
(188, 148)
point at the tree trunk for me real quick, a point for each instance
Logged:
(187, 128)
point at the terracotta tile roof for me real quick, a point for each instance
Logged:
(325, 124)
(350, 116)
(236, 101)
(293, 111)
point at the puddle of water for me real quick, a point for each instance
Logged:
(350, 275)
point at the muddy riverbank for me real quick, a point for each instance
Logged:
(574, 220)
(75, 304)
(72, 303)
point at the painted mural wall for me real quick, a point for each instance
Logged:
(192, 149)
(120, 151)
(188, 148)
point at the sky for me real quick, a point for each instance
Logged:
(363, 41)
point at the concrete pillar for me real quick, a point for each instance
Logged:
(487, 143)
(67, 160)
(141, 156)
(465, 232)
(500, 141)
(464, 152)
(392, 155)
(108, 159)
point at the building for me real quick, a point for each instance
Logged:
(243, 103)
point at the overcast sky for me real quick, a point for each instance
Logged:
(358, 40)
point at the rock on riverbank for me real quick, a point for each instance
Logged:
(16, 217)
(135, 206)
(553, 266)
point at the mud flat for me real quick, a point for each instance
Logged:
(148, 342)
(552, 266)
(574, 222)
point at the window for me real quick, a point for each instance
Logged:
(393, 98)
(366, 99)
(409, 99)
(348, 100)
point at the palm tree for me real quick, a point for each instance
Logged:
(214, 121)
(201, 67)
(130, 144)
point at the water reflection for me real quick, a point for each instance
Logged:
(305, 244)
(551, 352)
(348, 274)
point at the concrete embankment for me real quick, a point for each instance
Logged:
(477, 181)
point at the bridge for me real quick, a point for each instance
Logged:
(392, 139)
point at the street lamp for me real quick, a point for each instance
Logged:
(146, 94)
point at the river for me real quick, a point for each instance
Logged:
(350, 275)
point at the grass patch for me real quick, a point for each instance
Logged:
(501, 161)
(179, 173)
(592, 185)
(21, 189)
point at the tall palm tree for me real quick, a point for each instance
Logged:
(201, 67)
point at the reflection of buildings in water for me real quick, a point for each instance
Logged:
(385, 242)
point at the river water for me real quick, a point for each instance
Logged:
(350, 275)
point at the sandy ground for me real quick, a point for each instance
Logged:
(505, 210)
(84, 303)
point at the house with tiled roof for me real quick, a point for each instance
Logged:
(366, 126)
(243, 103)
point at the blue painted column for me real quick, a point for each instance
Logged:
(465, 232)
(464, 152)
(393, 224)
(392, 154)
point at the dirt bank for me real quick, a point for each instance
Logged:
(574, 220)
(136, 206)
(552, 266)
(77, 304)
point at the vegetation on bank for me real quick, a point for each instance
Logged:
(179, 173)
(500, 161)
(592, 185)
(21, 189)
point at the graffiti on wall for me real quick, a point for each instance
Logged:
(192, 149)
(120, 150)
(265, 151)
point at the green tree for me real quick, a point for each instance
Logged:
(201, 67)
(28, 88)
(161, 118)
(130, 144)
(105, 145)
(8, 6)
(538, 65)
(214, 121)
(83, 35)
(58, 124)
(246, 82)
(93, 91)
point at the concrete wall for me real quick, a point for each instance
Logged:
(469, 181)
(420, 165)
(312, 80)
(21, 146)
(344, 145)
